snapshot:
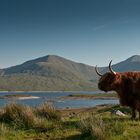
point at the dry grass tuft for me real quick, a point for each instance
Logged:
(19, 116)
(93, 126)
(48, 111)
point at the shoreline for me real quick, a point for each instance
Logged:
(26, 98)
(97, 96)
(19, 97)
(92, 98)
(49, 91)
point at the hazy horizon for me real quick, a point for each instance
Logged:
(86, 31)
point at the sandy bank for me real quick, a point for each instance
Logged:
(26, 98)
(19, 97)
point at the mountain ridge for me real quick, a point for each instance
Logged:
(130, 64)
(52, 72)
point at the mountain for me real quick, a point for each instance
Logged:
(56, 73)
(48, 73)
(130, 64)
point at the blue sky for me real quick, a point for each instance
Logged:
(85, 31)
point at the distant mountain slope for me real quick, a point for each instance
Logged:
(130, 64)
(52, 65)
(48, 73)
(56, 73)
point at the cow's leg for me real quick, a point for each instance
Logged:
(133, 114)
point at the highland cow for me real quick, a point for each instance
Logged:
(126, 84)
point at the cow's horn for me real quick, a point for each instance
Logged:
(111, 70)
(96, 69)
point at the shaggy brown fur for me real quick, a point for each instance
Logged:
(127, 86)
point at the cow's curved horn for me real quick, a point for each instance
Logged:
(111, 70)
(96, 69)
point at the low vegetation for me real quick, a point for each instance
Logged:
(48, 111)
(45, 122)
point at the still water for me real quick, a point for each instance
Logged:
(55, 98)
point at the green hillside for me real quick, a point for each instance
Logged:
(48, 73)
(56, 73)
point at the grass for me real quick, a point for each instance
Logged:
(41, 123)
(48, 111)
(93, 127)
(45, 122)
(19, 116)
(104, 126)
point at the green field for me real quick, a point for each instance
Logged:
(18, 122)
